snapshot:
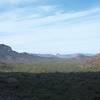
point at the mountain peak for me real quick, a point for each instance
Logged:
(4, 47)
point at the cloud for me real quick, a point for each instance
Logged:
(65, 16)
(46, 26)
(54, 35)
(21, 21)
(54, 39)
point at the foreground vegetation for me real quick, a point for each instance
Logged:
(49, 81)
(48, 67)
(51, 86)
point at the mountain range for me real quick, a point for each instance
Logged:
(8, 55)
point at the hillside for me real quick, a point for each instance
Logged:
(94, 61)
(7, 55)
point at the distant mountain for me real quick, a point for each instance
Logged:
(7, 55)
(47, 55)
(74, 56)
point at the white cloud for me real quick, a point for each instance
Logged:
(55, 36)
(60, 33)
(15, 20)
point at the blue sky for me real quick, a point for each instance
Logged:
(51, 26)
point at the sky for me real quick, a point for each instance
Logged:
(51, 26)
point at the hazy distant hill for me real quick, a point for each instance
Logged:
(47, 55)
(76, 56)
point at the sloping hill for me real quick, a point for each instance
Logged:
(7, 55)
(94, 61)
